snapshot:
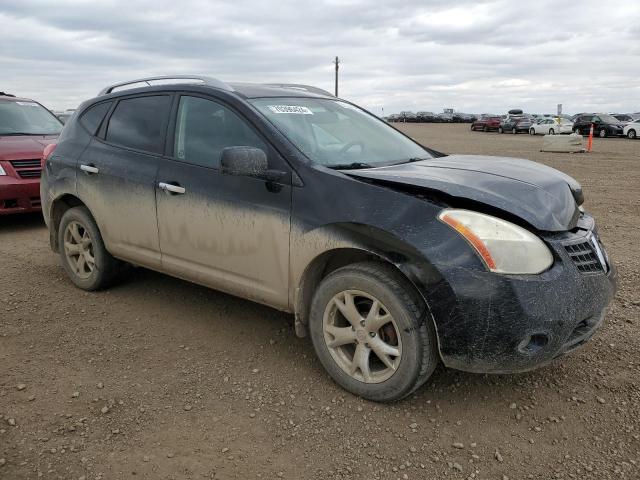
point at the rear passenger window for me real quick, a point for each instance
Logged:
(140, 123)
(204, 128)
(93, 116)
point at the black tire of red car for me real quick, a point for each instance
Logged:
(500, 130)
(603, 133)
(419, 356)
(632, 134)
(106, 266)
(485, 129)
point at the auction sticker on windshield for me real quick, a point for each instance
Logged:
(290, 109)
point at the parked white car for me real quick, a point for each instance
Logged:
(550, 126)
(632, 130)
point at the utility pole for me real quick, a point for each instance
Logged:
(337, 62)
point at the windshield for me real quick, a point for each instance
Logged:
(606, 118)
(27, 118)
(336, 134)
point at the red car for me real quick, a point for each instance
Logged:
(26, 128)
(487, 123)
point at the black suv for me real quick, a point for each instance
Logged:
(391, 256)
(604, 125)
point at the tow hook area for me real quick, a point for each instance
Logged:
(533, 343)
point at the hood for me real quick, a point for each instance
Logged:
(24, 147)
(542, 196)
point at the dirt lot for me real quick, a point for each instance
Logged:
(160, 379)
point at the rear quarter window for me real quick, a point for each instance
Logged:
(139, 123)
(93, 116)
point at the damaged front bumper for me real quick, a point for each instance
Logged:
(491, 323)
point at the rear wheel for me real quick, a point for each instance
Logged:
(577, 131)
(551, 131)
(372, 332)
(603, 133)
(82, 251)
(514, 130)
(532, 131)
(500, 130)
(631, 134)
(485, 129)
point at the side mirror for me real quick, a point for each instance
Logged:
(248, 161)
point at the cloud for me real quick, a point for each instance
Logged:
(475, 56)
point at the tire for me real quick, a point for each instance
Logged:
(632, 134)
(532, 132)
(485, 129)
(514, 131)
(410, 324)
(551, 131)
(77, 227)
(500, 130)
(577, 131)
(603, 133)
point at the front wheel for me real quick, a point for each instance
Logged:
(577, 131)
(631, 134)
(603, 133)
(532, 132)
(551, 131)
(514, 131)
(500, 130)
(372, 332)
(85, 259)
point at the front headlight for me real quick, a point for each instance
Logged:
(503, 246)
(2, 172)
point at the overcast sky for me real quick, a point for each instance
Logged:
(474, 56)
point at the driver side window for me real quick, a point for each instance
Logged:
(204, 128)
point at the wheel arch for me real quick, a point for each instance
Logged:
(368, 244)
(58, 208)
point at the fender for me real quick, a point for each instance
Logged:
(315, 249)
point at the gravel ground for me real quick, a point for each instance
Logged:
(157, 378)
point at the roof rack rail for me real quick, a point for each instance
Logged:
(298, 86)
(168, 79)
(3, 94)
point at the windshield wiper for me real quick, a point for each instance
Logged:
(350, 166)
(412, 160)
(22, 134)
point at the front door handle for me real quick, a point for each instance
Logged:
(90, 169)
(171, 188)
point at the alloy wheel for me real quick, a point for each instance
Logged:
(362, 336)
(78, 248)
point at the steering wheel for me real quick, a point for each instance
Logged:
(349, 146)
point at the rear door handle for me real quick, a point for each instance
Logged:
(90, 169)
(171, 188)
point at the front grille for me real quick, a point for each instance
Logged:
(27, 168)
(584, 257)
(29, 173)
(25, 163)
